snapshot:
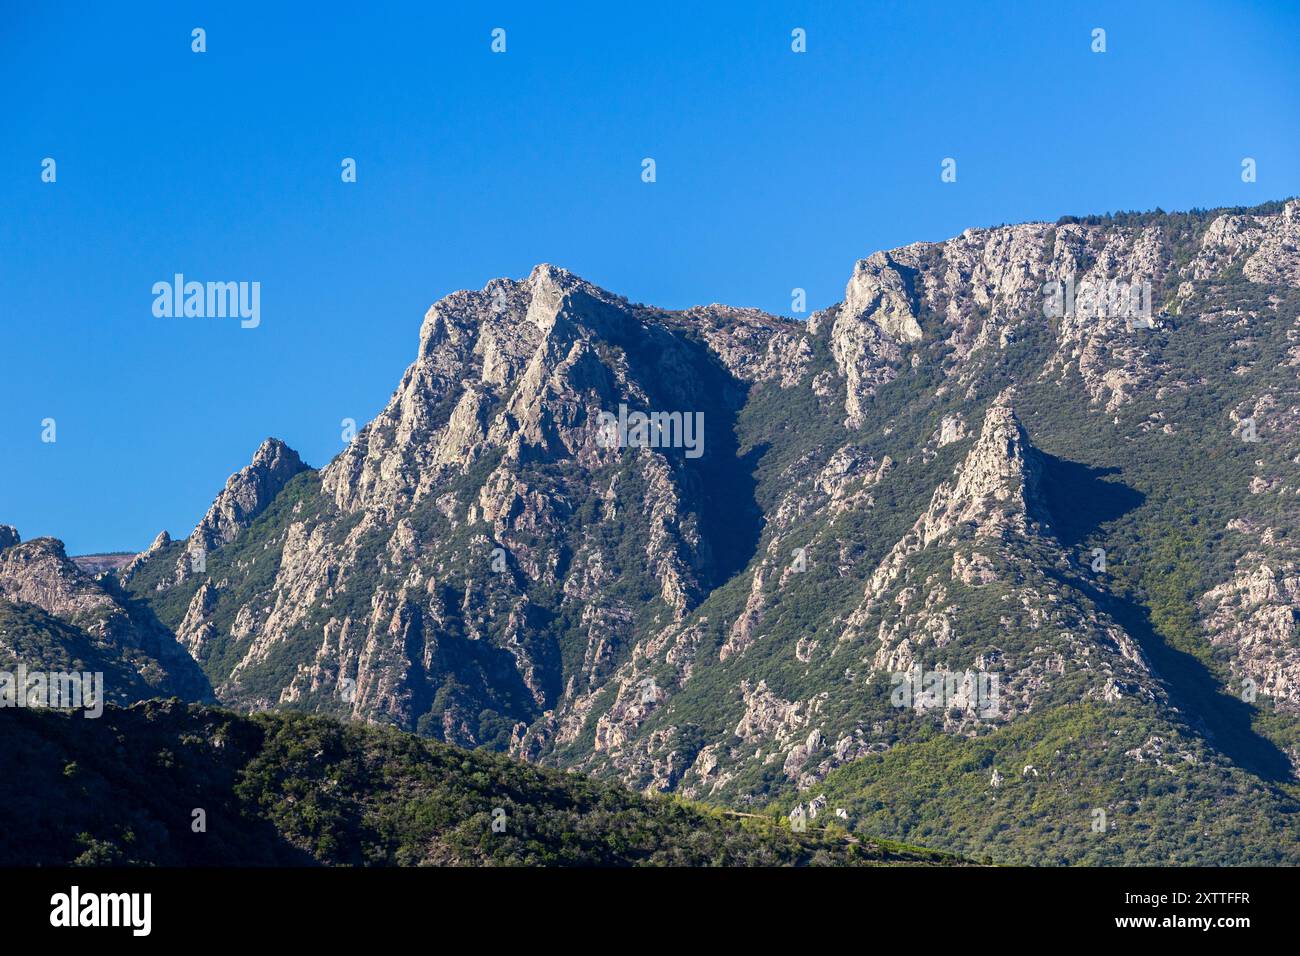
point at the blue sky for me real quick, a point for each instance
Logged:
(774, 170)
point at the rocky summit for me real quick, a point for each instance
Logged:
(998, 555)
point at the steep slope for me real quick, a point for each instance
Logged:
(477, 554)
(55, 617)
(247, 494)
(879, 540)
(976, 601)
(974, 319)
(166, 784)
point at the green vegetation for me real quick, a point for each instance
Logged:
(293, 789)
(1158, 502)
(1178, 806)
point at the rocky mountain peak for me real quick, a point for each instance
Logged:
(508, 367)
(271, 453)
(999, 468)
(88, 623)
(525, 368)
(159, 543)
(39, 572)
(247, 493)
(879, 292)
(547, 277)
(8, 536)
(992, 488)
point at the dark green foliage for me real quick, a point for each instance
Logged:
(43, 642)
(293, 789)
(1176, 812)
(1159, 505)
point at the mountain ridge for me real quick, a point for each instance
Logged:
(991, 460)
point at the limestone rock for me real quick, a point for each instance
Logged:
(8, 536)
(247, 493)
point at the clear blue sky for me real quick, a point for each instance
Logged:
(775, 170)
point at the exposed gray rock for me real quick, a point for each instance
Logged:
(40, 573)
(159, 543)
(247, 493)
(481, 567)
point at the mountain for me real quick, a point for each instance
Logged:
(55, 617)
(163, 783)
(998, 554)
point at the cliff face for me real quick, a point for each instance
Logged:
(480, 548)
(55, 616)
(246, 495)
(1052, 464)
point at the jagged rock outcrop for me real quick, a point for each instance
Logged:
(1267, 247)
(39, 572)
(879, 292)
(1098, 282)
(880, 537)
(1254, 617)
(160, 543)
(82, 622)
(247, 493)
(992, 503)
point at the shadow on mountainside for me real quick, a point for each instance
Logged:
(680, 373)
(731, 520)
(1080, 502)
(1224, 720)
(185, 677)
